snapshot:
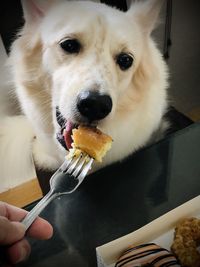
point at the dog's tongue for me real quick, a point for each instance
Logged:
(67, 134)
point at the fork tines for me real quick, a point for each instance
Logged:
(77, 166)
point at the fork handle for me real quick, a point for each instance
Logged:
(33, 214)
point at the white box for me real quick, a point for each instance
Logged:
(159, 231)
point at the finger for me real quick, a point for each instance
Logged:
(18, 252)
(10, 231)
(11, 212)
(40, 229)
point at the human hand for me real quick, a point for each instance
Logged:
(12, 232)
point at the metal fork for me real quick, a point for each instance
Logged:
(64, 181)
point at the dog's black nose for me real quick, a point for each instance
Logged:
(93, 105)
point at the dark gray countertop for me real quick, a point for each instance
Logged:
(120, 199)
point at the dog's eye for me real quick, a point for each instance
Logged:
(124, 61)
(71, 46)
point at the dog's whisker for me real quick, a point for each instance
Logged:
(41, 95)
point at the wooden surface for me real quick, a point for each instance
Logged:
(194, 114)
(22, 195)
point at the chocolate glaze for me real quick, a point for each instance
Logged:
(144, 251)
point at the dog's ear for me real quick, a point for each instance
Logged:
(146, 13)
(34, 10)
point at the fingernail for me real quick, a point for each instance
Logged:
(24, 254)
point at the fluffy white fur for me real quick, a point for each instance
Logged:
(16, 164)
(46, 77)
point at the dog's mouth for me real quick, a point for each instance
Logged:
(65, 133)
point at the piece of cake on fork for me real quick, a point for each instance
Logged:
(91, 141)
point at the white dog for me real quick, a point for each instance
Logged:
(82, 62)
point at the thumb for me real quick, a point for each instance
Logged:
(10, 232)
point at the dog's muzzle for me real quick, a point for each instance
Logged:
(91, 107)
